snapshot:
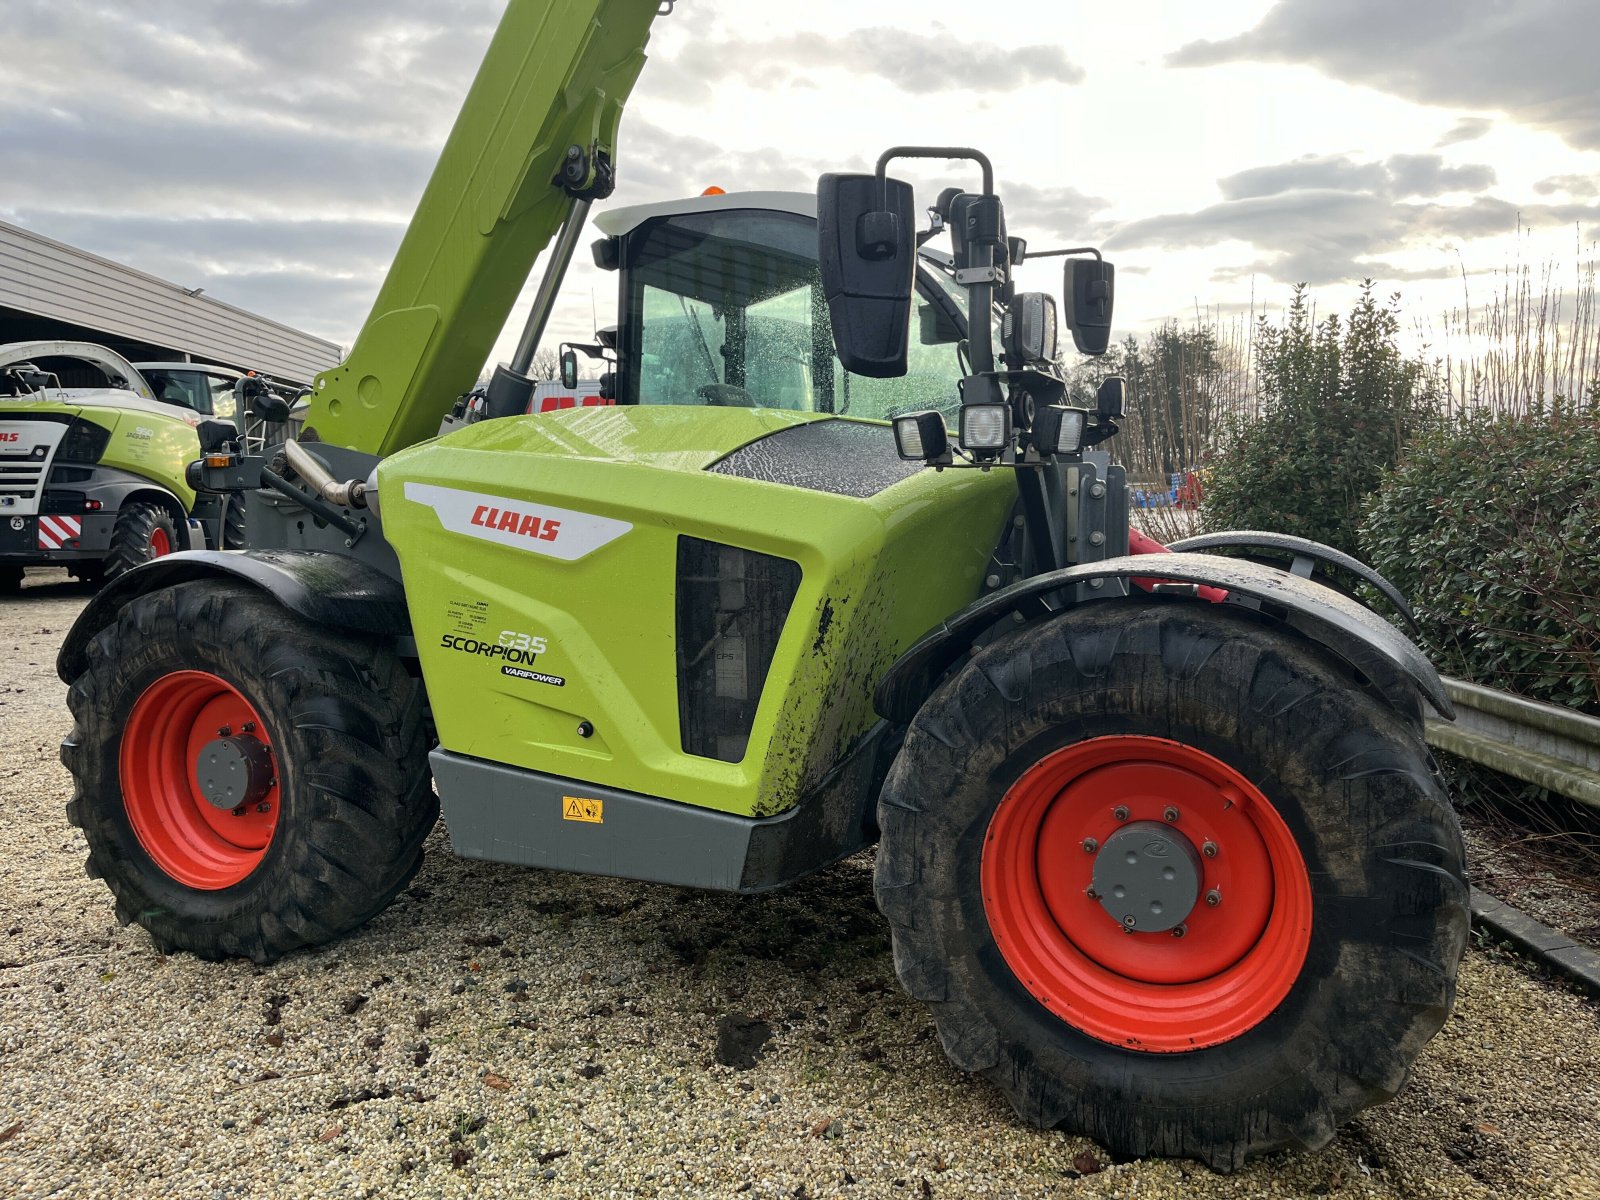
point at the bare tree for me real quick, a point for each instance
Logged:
(546, 365)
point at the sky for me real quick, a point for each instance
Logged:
(271, 151)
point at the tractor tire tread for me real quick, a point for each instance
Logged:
(1290, 1082)
(135, 525)
(344, 711)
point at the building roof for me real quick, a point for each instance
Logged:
(45, 278)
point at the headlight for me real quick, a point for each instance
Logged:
(84, 442)
(985, 426)
(921, 436)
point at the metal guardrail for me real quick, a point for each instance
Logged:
(1553, 747)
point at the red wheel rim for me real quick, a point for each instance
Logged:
(193, 841)
(1235, 961)
(160, 543)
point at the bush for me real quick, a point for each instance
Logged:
(1489, 527)
(1339, 401)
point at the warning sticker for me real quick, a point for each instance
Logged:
(577, 808)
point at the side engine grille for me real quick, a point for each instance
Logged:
(731, 608)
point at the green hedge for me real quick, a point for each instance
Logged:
(1491, 527)
(1339, 400)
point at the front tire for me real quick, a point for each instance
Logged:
(1326, 909)
(142, 532)
(248, 783)
(235, 534)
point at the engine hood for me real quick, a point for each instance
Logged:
(673, 438)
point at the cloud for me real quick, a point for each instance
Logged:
(919, 63)
(1331, 219)
(1579, 187)
(1399, 175)
(1533, 59)
(1467, 129)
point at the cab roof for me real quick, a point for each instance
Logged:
(614, 222)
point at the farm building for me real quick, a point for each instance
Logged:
(51, 290)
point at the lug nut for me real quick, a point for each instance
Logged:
(263, 807)
(225, 731)
(1213, 897)
(1120, 812)
(1091, 893)
(1129, 921)
(1209, 849)
(1170, 813)
(1179, 930)
(1090, 845)
(248, 727)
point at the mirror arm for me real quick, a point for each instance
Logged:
(966, 152)
(1064, 253)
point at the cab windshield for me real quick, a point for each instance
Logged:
(208, 393)
(726, 308)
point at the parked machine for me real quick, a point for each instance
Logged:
(93, 455)
(1160, 844)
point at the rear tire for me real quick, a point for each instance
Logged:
(340, 723)
(1090, 712)
(143, 531)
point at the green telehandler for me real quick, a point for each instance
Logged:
(1159, 841)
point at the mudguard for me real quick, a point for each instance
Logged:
(1360, 638)
(1306, 555)
(327, 589)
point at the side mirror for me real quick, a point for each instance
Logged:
(1109, 398)
(1089, 288)
(253, 394)
(866, 248)
(569, 369)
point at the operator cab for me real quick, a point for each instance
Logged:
(721, 304)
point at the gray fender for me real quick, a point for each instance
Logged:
(326, 589)
(1369, 645)
(1306, 556)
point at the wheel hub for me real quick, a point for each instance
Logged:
(1163, 834)
(1147, 877)
(202, 800)
(234, 771)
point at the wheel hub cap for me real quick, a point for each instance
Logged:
(1147, 877)
(234, 771)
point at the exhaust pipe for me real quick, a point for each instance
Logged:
(353, 493)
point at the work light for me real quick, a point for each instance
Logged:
(985, 426)
(920, 435)
(1059, 430)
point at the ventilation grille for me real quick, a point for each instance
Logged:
(731, 608)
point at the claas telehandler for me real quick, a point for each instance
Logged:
(841, 562)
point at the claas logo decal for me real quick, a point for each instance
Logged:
(553, 532)
(528, 525)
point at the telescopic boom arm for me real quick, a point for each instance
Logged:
(555, 78)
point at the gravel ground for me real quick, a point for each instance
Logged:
(507, 1032)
